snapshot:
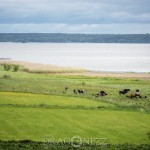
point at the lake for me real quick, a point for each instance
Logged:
(92, 56)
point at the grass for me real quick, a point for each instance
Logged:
(54, 84)
(37, 124)
(34, 106)
(19, 123)
(53, 100)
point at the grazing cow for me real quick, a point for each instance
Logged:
(66, 88)
(136, 94)
(101, 93)
(74, 91)
(81, 91)
(124, 91)
(127, 90)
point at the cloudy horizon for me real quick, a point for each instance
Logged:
(80, 16)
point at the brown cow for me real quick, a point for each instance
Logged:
(136, 94)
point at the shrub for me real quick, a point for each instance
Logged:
(16, 68)
(7, 67)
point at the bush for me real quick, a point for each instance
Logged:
(7, 67)
(16, 68)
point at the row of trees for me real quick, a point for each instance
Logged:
(74, 38)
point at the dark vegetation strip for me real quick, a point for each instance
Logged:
(44, 106)
(33, 145)
(79, 107)
(74, 38)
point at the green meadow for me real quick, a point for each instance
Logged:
(35, 106)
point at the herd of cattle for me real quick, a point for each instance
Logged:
(135, 94)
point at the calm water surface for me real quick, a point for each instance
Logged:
(99, 57)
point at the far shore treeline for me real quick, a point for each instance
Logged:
(74, 38)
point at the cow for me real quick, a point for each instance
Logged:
(66, 88)
(74, 91)
(80, 91)
(127, 90)
(136, 94)
(123, 92)
(101, 93)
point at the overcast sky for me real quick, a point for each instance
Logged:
(75, 16)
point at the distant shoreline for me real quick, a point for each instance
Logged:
(1, 59)
(68, 42)
(74, 38)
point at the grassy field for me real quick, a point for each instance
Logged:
(52, 100)
(39, 123)
(35, 106)
(54, 85)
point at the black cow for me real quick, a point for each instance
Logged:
(66, 88)
(81, 91)
(127, 90)
(124, 91)
(101, 93)
(74, 91)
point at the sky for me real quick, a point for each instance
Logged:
(75, 16)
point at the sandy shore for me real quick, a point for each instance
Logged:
(42, 67)
(144, 76)
(78, 71)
